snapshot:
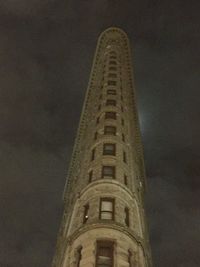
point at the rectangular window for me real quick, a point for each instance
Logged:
(122, 122)
(112, 75)
(106, 209)
(113, 53)
(110, 130)
(110, 102)
(97, 121)
(108, 172)
(113, 57)
(112, 62)
(111, 92)
(90, 176)
(95, 135)
(123, 137)
(126, 216)
(125, 179)
(78, 256)
(110, 115)
(122, 97)
(99, 107)
(104, 254)
(112, 83)
(124, 157)
(85, 214)
(122, 109)
(112, 68)
(109, 149)
(93, 154)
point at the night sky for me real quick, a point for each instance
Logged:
(46, 52)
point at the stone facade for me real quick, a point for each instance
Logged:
(104, 223)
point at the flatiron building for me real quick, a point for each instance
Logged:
(104, 223)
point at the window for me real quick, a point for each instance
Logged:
(109, 149)
(126, 210)
(113, 57)
(112, 75)
(99, 107)
(110, 115)
(93, 154)
(122, 97)
(123, 137)
(113, 53)
(95, 135)
(125, 179)
(85, 214)
(111, 92)
(113, 62)
(124, 157)
(78, 256)
(100, 97)
(122, 109)
(130, 258)
(110, 130)
(110, 102)
(90, 176)
(106, 209)
(104, 255)
(113, 68)
(108, 172)
(97, 121)
(122, 122)
(112, 83)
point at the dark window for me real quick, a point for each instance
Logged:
(93, 154)
(108, 171)
(125, 179)
(100, 97)
(122, 97)
(110, 115)
(112, 57)
(110, 102)
(122, 109)
(109, 149)
(95, 135)
(112, 82)
(78, 256)
(126, 216)
(123, 137)
(97, 121)
(113, 68)
(124, 157)
(90, 176)
(112, 75)
(110, 130)
(130, 258)
(113, 53)
(111, 92)
(85, 215)
(122, 122)
(104, 255)
(113, 62)
(106, 209)
(99, 107)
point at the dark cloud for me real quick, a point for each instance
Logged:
(46, 53)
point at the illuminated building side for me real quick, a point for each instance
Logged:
(104, 223)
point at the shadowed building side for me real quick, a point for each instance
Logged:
(104, 222)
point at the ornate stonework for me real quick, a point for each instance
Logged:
(104, 223)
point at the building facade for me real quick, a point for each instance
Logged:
(104, 222)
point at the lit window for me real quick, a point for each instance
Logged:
(110, 115)
(111, 92)
(85, 215)
(107, 209)
(108, 172)
(110, 130)
(126, 210)
(104, 255)
(109, 149)
(110, 102)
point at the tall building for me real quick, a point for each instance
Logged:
(104, 221)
